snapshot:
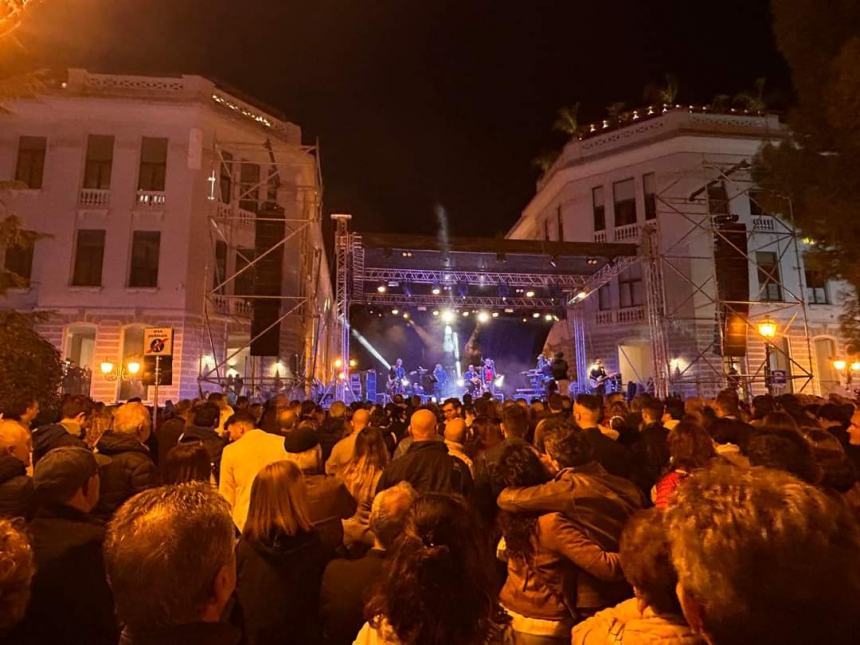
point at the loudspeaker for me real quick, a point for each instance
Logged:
(269, 230)
(733, 285)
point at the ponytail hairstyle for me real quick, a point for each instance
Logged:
(438, 588)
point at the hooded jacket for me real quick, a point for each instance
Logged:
(54, 435)
(277, 588)
(130, 471)
(16, 488)
(624, 624)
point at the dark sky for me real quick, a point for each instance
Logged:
(418, 103)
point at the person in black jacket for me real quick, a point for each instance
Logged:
(16, 488)
(427, 464)
(614, 457)
(347, 584)
(71, 601)
(280, 560)
(168, 432)
(204, 420)
(131, 469)
(70, 430)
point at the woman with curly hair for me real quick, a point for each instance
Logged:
(361, 475)
(540, 591)
(437, 588)
(690, 448)
(16, 572)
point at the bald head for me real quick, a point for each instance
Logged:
(287, 420)
(423, 425)
(455, 430)
(15, 440)
(360, 419)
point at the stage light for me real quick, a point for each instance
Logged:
(460, 382)
(407, 289)
(465, 314)
(342, 376)
(436, 290)
(591, 261)
(495, 314)
(499, 380)
(530, 294)
(536, 314)
(381, 288)
(395, 312)
(435, 312)
(406, 315)
(353, 362)
(509, 310)
(548, 318)
(404, 382)
(525, 319)
(447, 316)
(483, 317)
(338, 363)
(582, 295)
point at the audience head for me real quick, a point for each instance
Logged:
(784, 450)
(652, 411)
(206, 415)
(337, 410)
(422, 425)
(279, 504)
(779, 421)
(303, 449)
(437, 587)
(647, 564)
(764, 558)
(360, 419)
(20, 406)
(762, 405)
(388, 513)
(673, 409)
(15, 441)
(487, 431)
(68, 476)
(555, 403)
(240, 423)
(76, 408)
(370, 449)
(515, 422)
(187, 462)
(569, 449)
(837, 470)
(455, 430)
(587, 410)
(17, 566)
(727, 404)
(287, 420)
(169, 557)
(133, 419)
(690, 446)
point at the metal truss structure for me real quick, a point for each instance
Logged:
(237, 205)
(677, 324)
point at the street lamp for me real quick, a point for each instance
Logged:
(767, 330)
(127, 372)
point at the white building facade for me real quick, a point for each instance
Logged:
(144, 193)
(680, 178)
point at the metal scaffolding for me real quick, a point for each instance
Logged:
(246, 181)
(689, 322)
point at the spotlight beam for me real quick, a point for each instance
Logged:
(370, 348)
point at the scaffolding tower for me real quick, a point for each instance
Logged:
(247, 181)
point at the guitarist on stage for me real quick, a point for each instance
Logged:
(598, 377)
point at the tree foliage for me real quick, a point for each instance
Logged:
(567, 120)
(30, 366)
(818, 167)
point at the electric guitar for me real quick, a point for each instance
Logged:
(600, 380)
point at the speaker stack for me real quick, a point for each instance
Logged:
(269, 230)
(732, 271)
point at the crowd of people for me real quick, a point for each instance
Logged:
(592, 521)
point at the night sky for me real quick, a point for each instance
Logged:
(423, 103)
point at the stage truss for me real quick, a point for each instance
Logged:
(553, 288)
(709, 370)
(234, 206)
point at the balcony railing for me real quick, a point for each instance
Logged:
(94, 197)
(600, 236)
(630, 314)
(626, 233)
(152, 199)
(763, 223)
(604, 317)
(232, 306)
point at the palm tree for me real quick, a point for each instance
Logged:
(669, 93)
(567, 120)
(720, 102)
(545, 160)
(753, 100)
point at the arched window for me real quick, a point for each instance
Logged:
(79, 342)
(825, 352)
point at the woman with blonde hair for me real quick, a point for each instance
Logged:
(279, 561)
(361, 475)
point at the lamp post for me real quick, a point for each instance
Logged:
(109, 371)
(846, 370)
(767, 330)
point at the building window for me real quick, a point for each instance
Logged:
(89, 257)
(770, 289)
(718, 199)
(559, 223)
(604, 298)
(153, 164)
(649, 190)
(144, 259)
(816, 287)
(755, 198)
(249, 186)
(19, 262)
(99, 161)
(599, 206)
(630, 291)
(226, 178)
(624, 196)
(31, 161)
(220, 273)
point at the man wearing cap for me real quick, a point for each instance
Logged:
(16, 487)
(329, 501)
(249, 451)
(71, 601)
